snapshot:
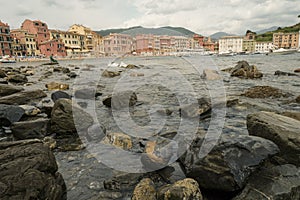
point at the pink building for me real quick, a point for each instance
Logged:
(145, 44)
(53, 47)
(6, 48)
(40, 29)
(117, 44)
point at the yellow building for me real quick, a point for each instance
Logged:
(26, 40)
(249, 46)
(286, 40)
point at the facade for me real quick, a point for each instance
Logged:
(249, 46)
(27, 42)
(38, 28)
(199, 39)
(117, 44)
(181, 43)
(208, 45)
(6, 47)
(231, 44)
(53, 47)
(263, 47)
(286, 40)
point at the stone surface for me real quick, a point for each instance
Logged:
(145, 190)
(298, 99)
(203, 107)
(10, 114)
(36, 129)
(283, 131)
(6, 90)
(85, 93)
(264, 92)
(2, 74)
(294, 115)
(57, 86)
(281, 73)
(276, 183)
(243, 69)
(28, 170)
(211, 75)
(183, 189)
(110, 74)
(18, 78)
(229, 163)
(120, 140)
(120, 100)
(297, 70)
(59, 95)
(23, 97)
(30, 111)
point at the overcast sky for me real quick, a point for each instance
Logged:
(202, 16)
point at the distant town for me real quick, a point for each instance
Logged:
(35, 39)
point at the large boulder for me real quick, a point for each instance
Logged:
(18, 78)
(243, 69)
(229, 163)
(10, 114)
(276, 183)
(23, 97)
(145, 190)
(28, 170)
(264, 92)
(6, 90)
(283, 131)
(120, 100)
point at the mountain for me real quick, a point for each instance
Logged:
(273, 28)
(133, 31)
(218, 35)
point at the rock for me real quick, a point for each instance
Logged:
(48, 73)
(298, 99)
(36, 129)
(6, 90)
(62, 119)
(50, 142)
(29, 73)
(243, 69)
(18, 78)
(283, 131)
(23, 97)
(145, 190)
(120, 100)
(264, 92)
(10, 114)
(30, 111)
(131, 66)
(184, 189)
(110, 74)
(57, 86)
(294, 115)
(2, 74)
(276, 183)
(297, 70)
(72, 75)
(105, 195)
(3, 81)
(228, 70)
(28, 170)
(85, 93)
(210, 74)
(203, 107)
(59, 95)
(120, 140)
(172, 173)
(135, 74)
(231, 161)
(281, 73)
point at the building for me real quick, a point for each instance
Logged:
(38, 28)
(27, 43)
(6, 47)
(263, 47)
(144, 44)
(286, 40)
(181, 43)
(249, 46)
(117, 44)
(53, 47)
(208, 45)
(199, 40)
(231, 44)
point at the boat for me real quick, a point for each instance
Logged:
(282, 51)
(229, 53)
(8, 61)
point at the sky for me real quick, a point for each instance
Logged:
(201, 16)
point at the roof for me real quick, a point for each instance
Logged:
(3, 24)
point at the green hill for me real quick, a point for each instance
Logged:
(268, 36)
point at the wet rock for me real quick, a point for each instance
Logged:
(283, 131)
(30, 111)
(23, 97)
(120, 100)
(243, 69)
(110, 74)
(2, 74)
(120, 140)
(135, 74)
(298, 99)
(6, 90)
(231, 161)
(10, 114)
(172, 173)
(18, 78)
(59, 95)
(297, 70)
(48, 73)
(281, 73)
(72, 75)
(50, 142)
(184, 189)
(264, 92)
(123, 181)
(36, 129)
(228, 70)
(3, 81)
(105, 195)
(62, 119)
(145, 190)
(131, 66)
(203, 107)
(28, 170)
(57, 86)
(85, 93)
(294, 115)
(276, 183)
(211, 75)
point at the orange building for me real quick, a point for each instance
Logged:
(286, 40)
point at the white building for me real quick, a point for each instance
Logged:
(230, 44)
(263, 47)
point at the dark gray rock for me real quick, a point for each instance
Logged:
(200, 109)
(110, 74)
(281, 73)
(276, 183)
(3, 81)
(6, 90)
(72, 75)
(18, 78)
(85, 93)
(23, 97)
(2, 74)
(283, 131)
(10, 114)
(60, 95)
(243, 69)
(229, 163)
(36, 129)
(28, 170)
(120, 100)
(264, 92)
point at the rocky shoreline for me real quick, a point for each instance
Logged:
(43, 117)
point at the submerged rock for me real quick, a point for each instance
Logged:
(28, 170)
(243, 69)
(6, 90)
(120, 100)
(264, 92)
(23, 97)
(283, 131)
(231, 161)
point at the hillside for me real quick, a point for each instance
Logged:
(218, 35)
(133, 31)
(268, 36)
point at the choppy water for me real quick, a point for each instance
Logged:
(168, 82)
